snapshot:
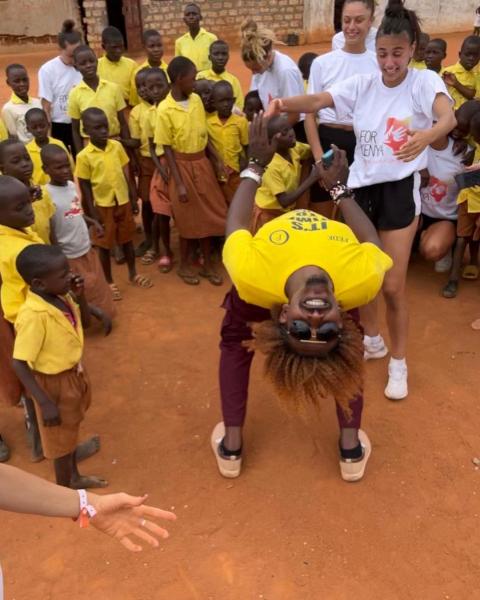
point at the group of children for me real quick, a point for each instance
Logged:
(174, 137)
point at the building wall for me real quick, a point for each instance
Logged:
(30, 19)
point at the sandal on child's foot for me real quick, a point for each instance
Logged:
(87, 448)
(450, 290)
(141, 281)
(212, 277)
(88, 481)
(116, 294)
(149, 257)
(188, 277)
(165, 264)
(470, 272)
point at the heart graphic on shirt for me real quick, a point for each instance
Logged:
(438, 189)
(396, 133)
(74, 210)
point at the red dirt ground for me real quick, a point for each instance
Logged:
(288, 528)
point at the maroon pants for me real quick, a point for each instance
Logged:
(235, 362)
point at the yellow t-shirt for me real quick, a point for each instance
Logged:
(281, 176)
(39, 177)
(44, 209)
(471, 195)
(3, 131)
(138, 123)
(150, 125)
(196, 49)
(260, 265)
(417, 64)
(228, 138)
(13, 290)
(45, 338)
(104, 170)
(108, 96)
(467, 78)
(134, 97)
(118, 72)
(225, 76)
(184, 129)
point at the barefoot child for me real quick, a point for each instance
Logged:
(198, 205)
(16, 162)
(113, 66)
(38, 125)
(108, 195)
(435, 54)
(153, 44)
(70, 231)
(461, 78)
(281, 188)
(195, 44)
(13, 112)
(229, 135)
(47, 357)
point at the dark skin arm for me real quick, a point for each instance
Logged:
(156, 160)
(181, 189)
(88, 201)
(50, 414)
(132, 192)
(288, 198)
(466, 91)
(125, 137)
(77, 287)
(77, 138)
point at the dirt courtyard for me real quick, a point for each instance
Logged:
(289, 528)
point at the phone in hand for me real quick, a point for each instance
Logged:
(327, 158)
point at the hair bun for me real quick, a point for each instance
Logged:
(68, 26)
(249, 28)
(395, 8)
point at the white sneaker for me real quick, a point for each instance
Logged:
(376, 350)
(397, 387)
(229, 467)
(444, 264)
(353, 470)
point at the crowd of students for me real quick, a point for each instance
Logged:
(110, 139)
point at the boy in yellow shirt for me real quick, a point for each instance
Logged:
(195, 44)
(219, 55)
(281, 188)
(435, 53)
(47, 356)
(418, 60)
(113, 66)
(99, 93)
(229, 135)
(38, 125)
(108, 195)
(13, 112)
(462, 78)
(153, 44)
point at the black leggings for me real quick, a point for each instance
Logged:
(63, 132)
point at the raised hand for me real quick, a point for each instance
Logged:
(260, 148)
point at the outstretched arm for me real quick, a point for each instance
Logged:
(311, 103)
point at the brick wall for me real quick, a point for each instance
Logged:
(94, 21)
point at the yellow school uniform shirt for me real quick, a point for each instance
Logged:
(119, 72)
(228, 138)
(104, 170)
(108, 96)
(44, 209)
(225, 76)
(260, 265)
(467, 78)
(45, 338)
(137, 122)
(184, 129)
(39, 177)
(13, 290)
(134, 97)
(281, 176)
(417, 64)
(196, 49)
(150, 125)
(471, 195)
(13, 115)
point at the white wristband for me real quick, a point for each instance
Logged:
(87, 511)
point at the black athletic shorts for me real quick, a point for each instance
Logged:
(390, 205)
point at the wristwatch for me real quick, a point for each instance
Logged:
(338, 192)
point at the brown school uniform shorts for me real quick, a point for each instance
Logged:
(119, 226)
(147, 169)
(466, 221)
(70, 391)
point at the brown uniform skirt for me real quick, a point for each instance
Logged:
(70, 391)
(10, 386)
(159, 194)
(205, 212)
(230, 186)
(147, 169)
(97, 290)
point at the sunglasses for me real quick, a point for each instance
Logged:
(326, 333)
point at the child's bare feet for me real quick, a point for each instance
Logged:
(87, 448)
(87, 481)
(211, 276)
(450, 290)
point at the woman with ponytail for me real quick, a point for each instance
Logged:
(397, 114)
(56, 78)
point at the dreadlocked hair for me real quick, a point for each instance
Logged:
(257, 41)
(299, 380)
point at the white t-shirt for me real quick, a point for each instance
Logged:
(281, 80)
(334, 67)
(382, 117)
(476, 22)
(338, 40)
(69, 226)
(55, 80)
(439, 198)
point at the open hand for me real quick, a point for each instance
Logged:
(450, 78)
(419, 140)
(260, 148)
(121, 515)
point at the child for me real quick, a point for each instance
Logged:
(113, 66)
(218, 56)
(70, 231)
(467, 225)
(281, 187)
(418, 60)
(198, 205)
(204, 88)
(95, 92)
(47, 357)
(153, 44)
(38, 125)
(108, 195)
(16, 162)
(13, 112)
(253, 105)
(195, 44)
(435, 53)
(229, 135)
(305, 64)
(461, 78)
